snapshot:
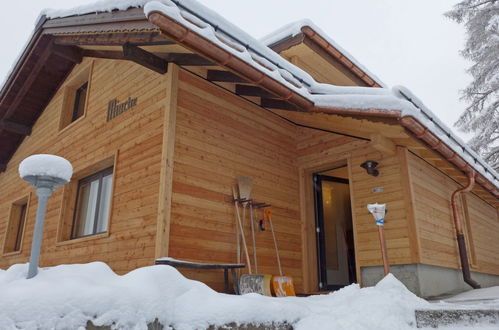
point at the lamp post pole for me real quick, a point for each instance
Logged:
(45, 173)
(43, 195)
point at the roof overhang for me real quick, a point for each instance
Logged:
(314, 40)
(199, 44)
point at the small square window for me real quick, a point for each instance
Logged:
(93, 204)
(15, 229)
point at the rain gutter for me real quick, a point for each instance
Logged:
(203, 46)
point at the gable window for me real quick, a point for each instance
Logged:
(75, 95)
(15, 229)
(79, 102)
(93, 204)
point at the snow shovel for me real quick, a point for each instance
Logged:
(252, 283)
(282, 285)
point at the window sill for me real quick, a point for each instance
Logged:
(13, 253)
(71, 124)
(83, 239)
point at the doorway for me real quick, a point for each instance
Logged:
(335, 240)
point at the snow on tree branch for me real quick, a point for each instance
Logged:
(481, 117)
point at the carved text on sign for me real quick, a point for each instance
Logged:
(114, 108)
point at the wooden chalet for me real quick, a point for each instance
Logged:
(159, 118)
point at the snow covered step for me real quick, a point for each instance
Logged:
(435, 318)
(231, 326)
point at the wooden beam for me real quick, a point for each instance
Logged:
(70, 53)
(409, 199)
(383, 144)
(15, 128)
(111, 39)
(186, 59)
(167, 162)
(224, 76)
(144, 58)
(248, 90)
(109, 54)
(28, 83)
(277, 104)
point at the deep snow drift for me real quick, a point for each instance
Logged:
(66, 296)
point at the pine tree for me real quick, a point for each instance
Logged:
(481, 116)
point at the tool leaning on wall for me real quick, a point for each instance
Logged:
(257, 283)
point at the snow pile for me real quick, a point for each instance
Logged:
(46, 165)
(66, 296)
(96, 7)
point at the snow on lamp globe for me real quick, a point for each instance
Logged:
(46, 173)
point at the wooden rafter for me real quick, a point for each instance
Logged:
(224, 76)
(28, 83)
(108, 54)
(71, 53)
(15, 128)
(144, 58)
(277, 104)
(186, 59)
(112, 39)
(248, 90)
(182, 59)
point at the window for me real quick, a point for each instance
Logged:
(15, 229)
(75, 95)
(92, 204)
(79, 102)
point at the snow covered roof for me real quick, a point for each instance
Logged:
(293, 29)
(398, 101)
(289, 82)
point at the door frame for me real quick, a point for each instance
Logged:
(310, 265)
(319, 214)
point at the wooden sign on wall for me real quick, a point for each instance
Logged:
(114, 108)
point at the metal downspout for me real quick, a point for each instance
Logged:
(459, 230)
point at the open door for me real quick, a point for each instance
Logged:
(335, 244)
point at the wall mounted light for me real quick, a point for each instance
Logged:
(370, 167)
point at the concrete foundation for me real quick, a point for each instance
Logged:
(428, 281)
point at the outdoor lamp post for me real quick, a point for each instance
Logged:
(378, 211)
(46, 173)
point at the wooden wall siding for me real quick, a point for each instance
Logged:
(319, 151)
(136, 134)
(433, 192)
(220, 136)
(484, 227)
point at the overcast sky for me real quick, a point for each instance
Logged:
(406, 42)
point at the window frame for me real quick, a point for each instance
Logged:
(10, 245)
(78, 99)
(88, 179)
(81, 76)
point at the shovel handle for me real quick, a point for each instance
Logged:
(268, 214)
(236, 204)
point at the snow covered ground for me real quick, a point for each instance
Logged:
(66, 296)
